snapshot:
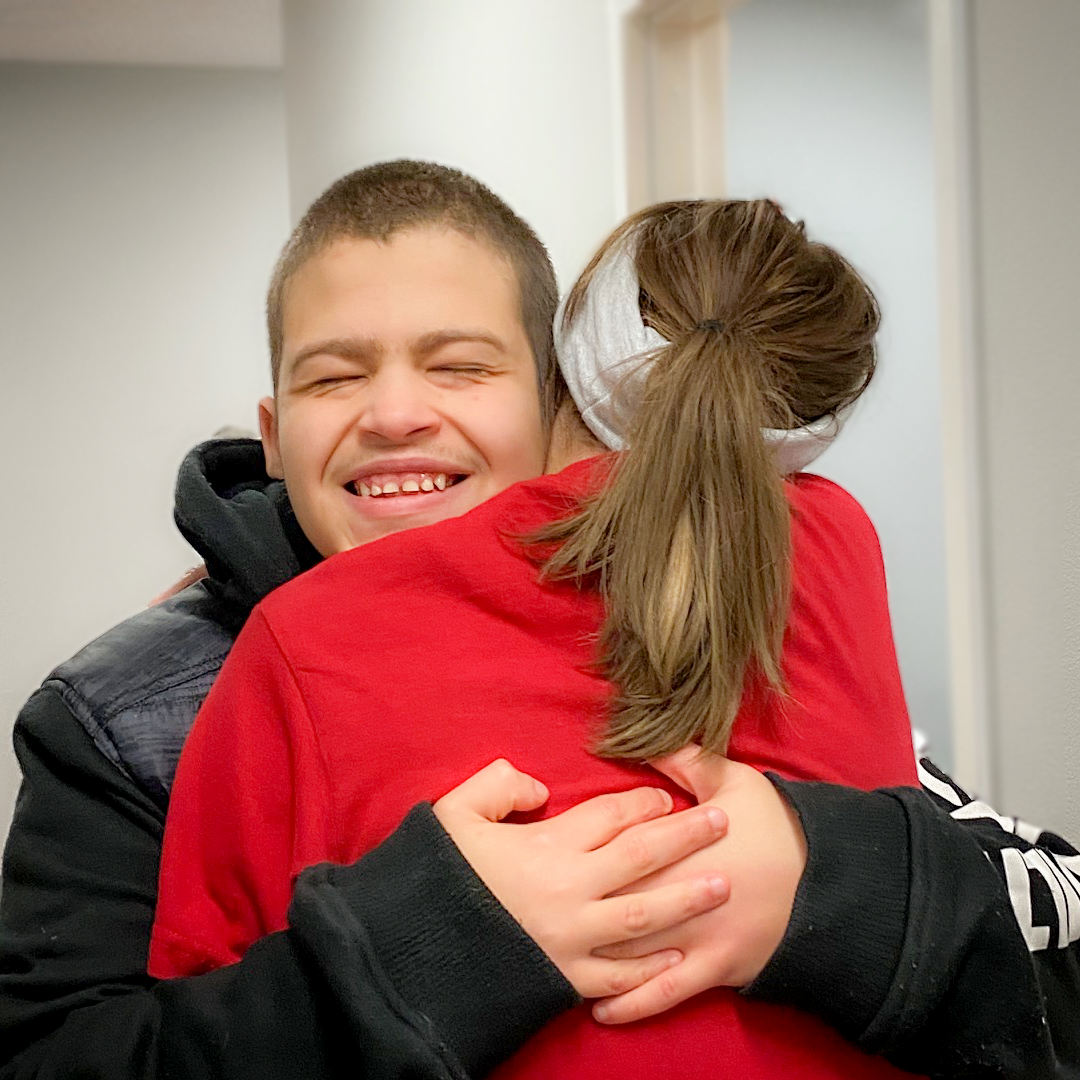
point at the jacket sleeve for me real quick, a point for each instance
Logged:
(932, 931)
(357, 986)
(250, 808)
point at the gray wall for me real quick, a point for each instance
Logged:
(1026, 98)
(829, 112)
(140, 212)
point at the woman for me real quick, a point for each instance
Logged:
(733, 608)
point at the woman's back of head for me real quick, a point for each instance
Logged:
(756, 341)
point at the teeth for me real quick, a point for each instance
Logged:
(411, 486)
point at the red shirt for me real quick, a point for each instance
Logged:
(390, 673)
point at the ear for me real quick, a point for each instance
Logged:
(268, 430)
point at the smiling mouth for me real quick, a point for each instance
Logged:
(397, 485)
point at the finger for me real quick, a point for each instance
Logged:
(597, 821)
(695, 770)
(642, 946)
(664, 991)
(636, 915)
(598, 978)
(644, 849)
(496, 790)
(196, 573)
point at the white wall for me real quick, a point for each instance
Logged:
(518, 94)
(140, 213)
(1025, 85)
(828, 111)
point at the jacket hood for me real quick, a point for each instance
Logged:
(241, 522)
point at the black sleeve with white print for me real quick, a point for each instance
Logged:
(931, 930)
(1040, 869)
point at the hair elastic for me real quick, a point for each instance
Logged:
(608, 351)
(711, 324)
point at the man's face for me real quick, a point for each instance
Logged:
(407, 389)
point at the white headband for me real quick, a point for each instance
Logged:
(607, 353)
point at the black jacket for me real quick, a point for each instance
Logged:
(912, 932)
(404, 965)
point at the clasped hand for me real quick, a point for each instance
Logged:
(628, 900)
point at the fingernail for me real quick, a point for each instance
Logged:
(716, 885)
(717, 817)
(601, 1013)
(673, 957)
(669, 802)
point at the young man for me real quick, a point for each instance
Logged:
(407, 965)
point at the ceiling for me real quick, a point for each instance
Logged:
(214, 33)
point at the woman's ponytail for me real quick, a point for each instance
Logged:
(689, 541)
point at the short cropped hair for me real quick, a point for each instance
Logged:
(376, 202)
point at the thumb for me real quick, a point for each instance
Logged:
(695, 770)
(496, 790)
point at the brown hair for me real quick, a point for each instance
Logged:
(690, 539)
(392, 196)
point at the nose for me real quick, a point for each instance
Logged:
(397, 406)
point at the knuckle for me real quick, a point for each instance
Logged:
(654, 802)
(618, 982)
(638, 853)
(667, 988)
(543, 835)
(561, 896)
(611, 806)
(701, 827)
(635, 917)
(698, 898)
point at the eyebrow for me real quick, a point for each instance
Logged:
(346, 348)
(434, 341)
(368, 348)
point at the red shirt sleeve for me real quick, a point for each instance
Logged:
(236, 835)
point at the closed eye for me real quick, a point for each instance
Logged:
(336, 380)
(462, 369)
